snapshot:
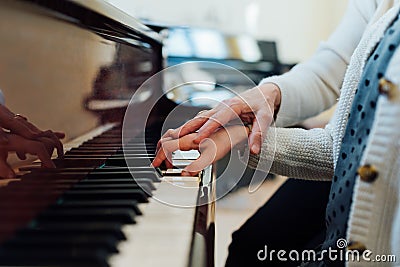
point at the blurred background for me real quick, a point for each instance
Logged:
(296, 25)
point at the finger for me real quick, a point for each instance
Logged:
(220, 118)
(169, 135)
(196, 123)
(5, 170)
(199, 164)
(170, 145)
(3, 138)
(261, 123)
(164, 154)
(168, 161)
(159, 158)
(162, 140)
(189, 127)
(55, 140)
(60, 135)
(48, 143)
(20, 125)
(40, 150)
(247, 117)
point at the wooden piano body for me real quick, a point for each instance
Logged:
(73, 66)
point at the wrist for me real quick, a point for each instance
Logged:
(273, 95)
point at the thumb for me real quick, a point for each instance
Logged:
(206, 158)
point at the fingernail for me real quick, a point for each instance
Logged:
(255, 149)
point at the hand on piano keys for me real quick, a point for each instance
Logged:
(23, 137)
(211, 149)
(90, 212)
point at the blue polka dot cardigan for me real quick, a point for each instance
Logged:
(312, 154)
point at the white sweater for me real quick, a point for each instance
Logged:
(314, 86)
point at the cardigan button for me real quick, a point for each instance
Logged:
(357, 246)
(388, 88)
(368, 173)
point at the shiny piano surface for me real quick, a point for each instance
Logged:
(73, 66)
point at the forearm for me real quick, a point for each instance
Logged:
(297, 153)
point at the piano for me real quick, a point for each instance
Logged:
(73, 66)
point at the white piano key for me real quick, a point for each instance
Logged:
(186, 155)
(163, 235)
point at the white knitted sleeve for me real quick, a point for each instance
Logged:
(314, 85)
(297, 153)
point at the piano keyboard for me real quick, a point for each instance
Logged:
(90, 212)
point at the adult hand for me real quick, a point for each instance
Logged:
(255, 106)
(20, 125)
(42, 147)
(211, 149)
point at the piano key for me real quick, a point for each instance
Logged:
(132, 161)
(107, 243)
(81, 227)
(66, 163)
(110, 186)
(101, 153)
(155, 177)
(69, 233)
(132, 194)
(68, 256)
(132, 168)
(141, 181)
(120, 215)
(105, 155)
(64, 185)
(110, 204)
(177, 225)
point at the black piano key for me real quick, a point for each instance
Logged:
(107, 243)
(53, 174)
(132, 161)
(89, 155)
(117, 147)
(105, 181)
(66, 257)
(154, 176)
(114, 229)
(128, 169)
(120, 215)
(80, 186)
(101, 204)
(127, 194)
(66, 163)
(68, 233)
(101, 140)
(82, 171)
